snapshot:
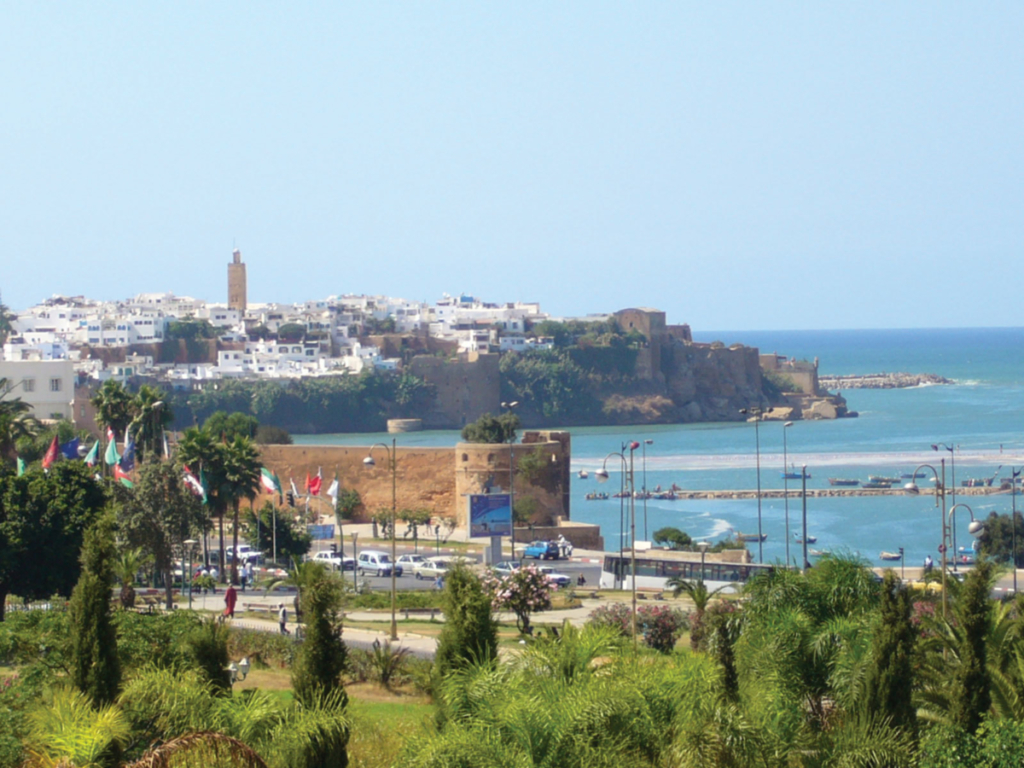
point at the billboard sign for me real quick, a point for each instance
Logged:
(490, 515)
(320, 532)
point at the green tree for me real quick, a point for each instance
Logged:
(242, 470)
(267, 434)
(115, 407)
(673, 538)
(152, 416)
(45, 512)
(322, 656)
(701, 596)
(127, 567)
(349, 502)
(207, 648)
(201, 451)
(470, 634)
(890, 677)
(6, 318)
(159, 515)
(33, 447)
(292, 543)
(492, 429)
(189, 330)
(229, 426)
(291, 332)
(996, 540)
(970, 697)
(95, 666)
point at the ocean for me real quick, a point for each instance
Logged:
(981, 417)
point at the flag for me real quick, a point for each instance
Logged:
(332, 490)
(205, 484)
(51, 454)
(167, 448)
(124, 477)
(70, 448)
(128, 460)
(313, 486)
(94, 454)
(193, 483)
(295, 491)
(270, 481)
(111, 456)
(21, 466)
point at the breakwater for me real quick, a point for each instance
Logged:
(826, 493)
(882, 381)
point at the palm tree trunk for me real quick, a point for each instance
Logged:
(234, 536)
(169, 583)
(220, 569)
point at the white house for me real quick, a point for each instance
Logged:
(46, 385)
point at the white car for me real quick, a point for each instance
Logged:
(411, 563)
(434, 567)
(554, 577)
(246, 554)
(335, 561)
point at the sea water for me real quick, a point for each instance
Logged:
(981, 417)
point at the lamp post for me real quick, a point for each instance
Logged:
(602, 476)
(190, 545)
(1013, 522)
(703, 547)
(240, 671)
(510, 407)
(785, 484)
(952, 470)
(646, 492)
(803, 496)
(369, 462)
(757, 413)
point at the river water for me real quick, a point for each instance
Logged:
(981, 416)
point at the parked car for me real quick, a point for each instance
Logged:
(542, 550)
(434, 567)
(411, 563)
(246, 554)
(376, 563)
(554, 577)
(506, 567)
(334, 561)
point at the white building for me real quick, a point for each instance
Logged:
(46, 385)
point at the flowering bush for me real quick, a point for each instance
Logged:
(523, 591)
(658, 625)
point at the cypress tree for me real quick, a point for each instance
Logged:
(890, 678)
(316, 674)
(208, 649)
(95, 666)
(970, 697)
(470, 634)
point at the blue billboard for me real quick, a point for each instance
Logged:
(490, 515)
(320, 532)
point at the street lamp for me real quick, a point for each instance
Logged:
(602, 476)
(952, 470)
(239, 671)
(757, 413)
(369, 462)
(703, 547)
(803, 497)
(1013, 522)
(785, 483)
(190, 545)
(646, 492)
(510, 407)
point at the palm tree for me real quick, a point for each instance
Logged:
(16, 422)
(153, 415)
(70, 731)
(699, 594)
(200, 450)
(128, 565)
(241, 481)
(114, 407)
(303, 577)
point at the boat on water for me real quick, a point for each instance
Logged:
(880, 479)
(842, 481)
(596, 496)
(793, 474)
(751, 536)
(912, 476)
(977, 482)
(876, 485)
(817, 552)
(890, 556)
(582, 475)
(810, 539)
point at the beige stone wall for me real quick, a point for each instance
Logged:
(466, 389)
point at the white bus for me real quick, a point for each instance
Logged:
(654, 567)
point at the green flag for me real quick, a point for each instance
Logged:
(270, 481)
(206, 486)
(21, 466)
(112, 456)
(93, 455)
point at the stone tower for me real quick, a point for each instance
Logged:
(236, 282)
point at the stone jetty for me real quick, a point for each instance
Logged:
(882, 381)
(826, 493)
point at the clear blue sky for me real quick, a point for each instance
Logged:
(739, 165)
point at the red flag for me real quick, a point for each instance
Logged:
(51, 454)
(315, 483)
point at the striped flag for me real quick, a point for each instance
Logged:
(194, 484)
(124, 477)
(270, 481)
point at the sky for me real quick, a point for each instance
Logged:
(738, 165)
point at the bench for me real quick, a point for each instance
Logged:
(420, 612)
(257, 608)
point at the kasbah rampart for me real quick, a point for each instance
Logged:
(441, 479)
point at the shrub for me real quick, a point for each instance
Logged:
(207, 648)
(262, 648)
(469, 635)
(659, 626)
(321, 660)
(523, 592)
(387, 662)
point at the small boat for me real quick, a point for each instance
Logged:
(596, 496)
(876, 485)
(912, 476)
(890, 556)
(750, 536)
(977, 482)
(817, 552)
(841, 481)
(880, 479)
(582, 474)
(793, 474)
(810, 539)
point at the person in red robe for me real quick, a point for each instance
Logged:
(230, 598)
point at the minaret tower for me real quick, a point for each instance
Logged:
(236, 282)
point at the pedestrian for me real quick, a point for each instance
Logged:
(928, 564)
(581, 580)
(230, 599)
(282, 619)
(561, 545)
(568, 549)
(214, 574)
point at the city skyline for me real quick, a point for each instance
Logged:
(739, 168)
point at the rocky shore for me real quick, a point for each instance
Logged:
(882, 381)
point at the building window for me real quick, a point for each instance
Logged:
(28, 385)
(56, 385)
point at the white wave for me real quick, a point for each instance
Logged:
(720, 527)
